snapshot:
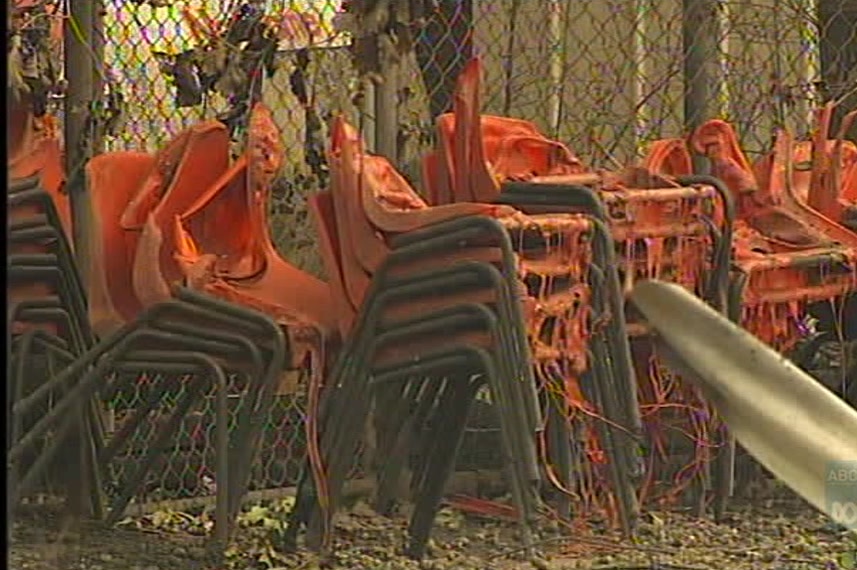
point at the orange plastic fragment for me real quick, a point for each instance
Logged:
(324, 222)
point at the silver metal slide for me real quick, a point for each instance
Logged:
(799, 430)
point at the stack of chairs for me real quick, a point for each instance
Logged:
(190, 346)
(671, 228)
(788, 255)
(147, 299)
(47, 330)
(436, 302)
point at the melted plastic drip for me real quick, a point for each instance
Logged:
(555, 278)
(776, 322)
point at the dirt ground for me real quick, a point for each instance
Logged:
(781, 534)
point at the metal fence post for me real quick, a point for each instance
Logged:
(80, 72)
(837, 22)
(443, 47)
(700, 35)
(96, 144)
(387, 109)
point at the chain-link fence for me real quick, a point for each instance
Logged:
(604, 76)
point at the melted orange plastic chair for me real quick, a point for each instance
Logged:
(183, 171)
(784, 186)
(34, 148)
(777, 239)
(652, 214)
(759, 203)
(242, 265)
(803, 167)
(768, 201)
(372, 192)
(830, 240)
(824, 186)
(372, 199)
(112, 180)
(476, 153)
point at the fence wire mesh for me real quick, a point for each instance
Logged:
(605, 77)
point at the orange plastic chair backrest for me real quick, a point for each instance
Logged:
(488, 149)
(435, 178)
(669, 157)
(366, 244)
(204, 158)
(717, 140)
(237, 200)
(201, 150)
(227, 203)
(324, 222)
(353, 235)
(112, 179)
(385, 200)
(156, 182)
